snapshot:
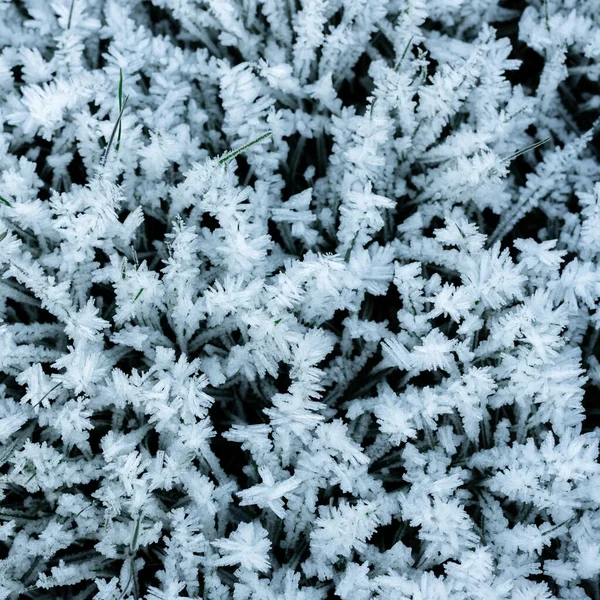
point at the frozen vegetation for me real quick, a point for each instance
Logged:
(299, 299)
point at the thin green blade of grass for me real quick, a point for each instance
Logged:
(114, 131)
(526, 149)
(138, 294)
(118, 144)
(120, 89)
(5, 202)
(70, 14)
(136, 533)
(234, 153)
(349, 251)
(49, 392)
(404, 53)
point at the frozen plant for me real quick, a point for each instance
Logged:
(299, 299)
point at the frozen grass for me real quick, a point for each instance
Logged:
(323, 324)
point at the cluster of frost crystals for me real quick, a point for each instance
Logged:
(299, 299)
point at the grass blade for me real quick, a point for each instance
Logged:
(112, 137)
(70, 14)
(118, 144)
(526, 149)
(5, 201)
(136, 533)
(234, 153)
(404, 53)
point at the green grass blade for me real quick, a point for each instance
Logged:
(70, 14)
(527, 149)
(5, 202)
(118, 144)
(349, 251)
(136, 533)
(49, 392)
(120, 89)
(234, 153)
(406, 49)
(114, 132)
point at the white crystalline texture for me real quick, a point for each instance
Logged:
(299, 299)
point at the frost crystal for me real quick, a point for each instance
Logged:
(299, 299)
